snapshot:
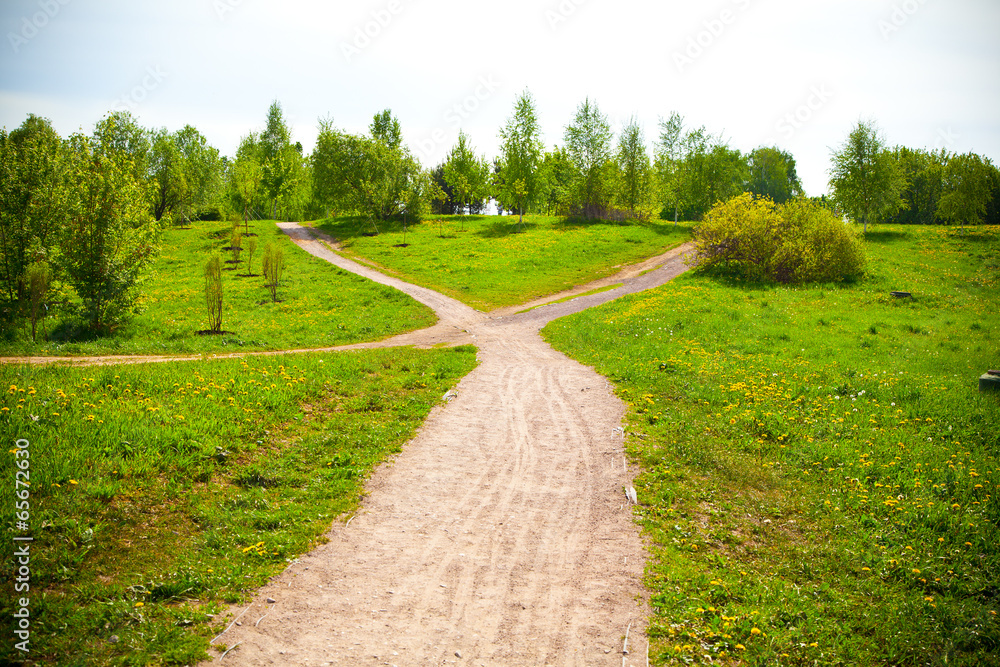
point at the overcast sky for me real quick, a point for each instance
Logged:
(796, 74)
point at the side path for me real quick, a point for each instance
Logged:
(501, 535)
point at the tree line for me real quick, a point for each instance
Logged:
(85, 211)
(871, 182)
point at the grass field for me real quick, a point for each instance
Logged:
(486, 263)
(818, 464)
(319, 305)
(160, 492)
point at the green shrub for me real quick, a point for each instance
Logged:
(213, 293)
(796, 242)
(273, 267)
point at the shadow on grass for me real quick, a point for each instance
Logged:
(503, 226)
(886, 236)
(972, 236)
(659, 227)
(733, 277)
(348, 227)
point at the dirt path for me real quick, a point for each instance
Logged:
(454, 317)
(501, 535)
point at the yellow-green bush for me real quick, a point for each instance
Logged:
(795, 242)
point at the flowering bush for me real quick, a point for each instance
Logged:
(796, 242)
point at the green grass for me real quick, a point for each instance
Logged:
(818, 465)
(319, 305)
(161, 492)
(606, 288)
(484, 262)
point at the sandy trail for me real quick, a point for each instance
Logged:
(499, 536)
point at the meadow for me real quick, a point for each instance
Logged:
(487, 262)
(318, 304)
(818, 465)
(161, 493)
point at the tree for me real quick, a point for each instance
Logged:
(924, 174)
(866, 181)
(33, 201)
(185, 174)
(670, 163)
(555, 178)
(122, 138)
(466, 174)
(361, 174)
(993, 209)
(251, 249)
(588, 141)
(448, 204)
(203, 173)
(245, 176)
(273, 267)
(276, 136)
(772, 175)
(283, 175)
(386, 129)
(521, 147)
(169, 180)
(110, 238)
(693, 172)
(422, 192)
(39, 280)
(634, 185)
(726, 174)
(236, 245)
(966, 190)
(213, 294)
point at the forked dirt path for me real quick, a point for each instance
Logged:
(501, 535)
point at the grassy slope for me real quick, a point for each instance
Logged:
(319, 305)
(489, 265)
(159, 492)
(818, 464)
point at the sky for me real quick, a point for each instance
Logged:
(798, 75)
